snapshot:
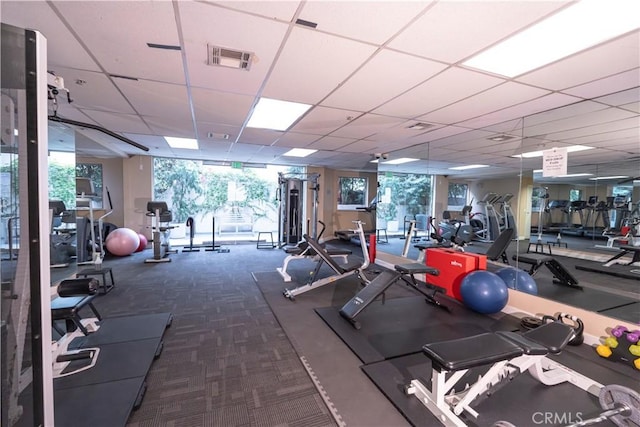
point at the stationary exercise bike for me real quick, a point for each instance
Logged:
(161, 216)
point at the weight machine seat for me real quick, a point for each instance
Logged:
(492, 347)
(326, 257)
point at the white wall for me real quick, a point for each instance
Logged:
(137, 174)
(111, 179)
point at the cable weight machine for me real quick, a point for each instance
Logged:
(291, 197)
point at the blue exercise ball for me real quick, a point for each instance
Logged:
(484, 292)
(518, 279)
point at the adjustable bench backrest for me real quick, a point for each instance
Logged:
(322, 253)
(499, 247)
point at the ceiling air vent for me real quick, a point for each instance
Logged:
(222, 57)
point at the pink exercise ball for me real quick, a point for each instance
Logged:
(122, 241)
(143, 243)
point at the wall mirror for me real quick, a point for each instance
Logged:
(600, 189)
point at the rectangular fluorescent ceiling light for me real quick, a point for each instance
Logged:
(299, 152)
(275, 114)
(575, 28)
(463, 168)
(572, 175)
(608, 177)
(570, 149)
(400, 161)
(185, 143)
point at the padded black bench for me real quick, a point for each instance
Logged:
(73, 295)
(493, 347)
(562, 276)
(509, 355)
(382, 282)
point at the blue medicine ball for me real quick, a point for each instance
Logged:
(518, 279)
(484, 292)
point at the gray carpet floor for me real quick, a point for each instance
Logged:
(226, 359)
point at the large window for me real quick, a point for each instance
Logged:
(457, 196)
(93, 171)
(352, 193)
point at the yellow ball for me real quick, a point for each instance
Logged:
(635, 350)
(636, 363)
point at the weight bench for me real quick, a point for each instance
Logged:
(625, 249)
(562, 276)
(342, 271)
(74, 294)
(382, 282)
(508, 353)
(297, 253)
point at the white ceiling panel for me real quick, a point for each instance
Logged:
(204, 24)
(593, 123)
(323, 120)
(367, 125)
(259, 136)
(345, 18)
(470, 26)
(603, 61)
(62, 47)
(622, 98)
(116, 122)
(520, 111)
(399, 60)
(96, 93)
(312, 65)
(606, 85)
(103, 32)
(157, 99)
(221, 107)
(277, 9)
(446, 88)
(496, 98)
(296, 140)
(390, 73)
(170, 126)
(331, 143)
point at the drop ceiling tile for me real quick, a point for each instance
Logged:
(171, 126)
(452, 30)
(158, 99)
(347, 18)
(607, 85)
(330, 143)
(118, 122)
(323, 120)
(103, 33)
(367, 125)
(390, 73)
(312, 65)
(275, 9)
(606, 60)
(218, 131)
(63, 49)
(450, 86)
(259, 136)
(96, 93)
(364, 146)
(296, 140)
(221, 107)
(503, 96)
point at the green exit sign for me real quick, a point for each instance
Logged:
(236, 165)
